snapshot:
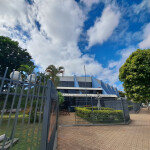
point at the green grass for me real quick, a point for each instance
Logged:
(20, 116)
(27, 137)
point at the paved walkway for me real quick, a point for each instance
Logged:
(70, 119)
(135, 136)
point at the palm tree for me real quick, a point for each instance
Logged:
(26, 70)
(53, 72)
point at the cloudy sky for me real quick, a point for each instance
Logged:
(99, 34)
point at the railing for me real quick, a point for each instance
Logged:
(28, 113)
(91, 113)
(135, 106)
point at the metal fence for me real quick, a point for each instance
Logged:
(87, 112)
(135, 106)
(28, 113)
(120, 104)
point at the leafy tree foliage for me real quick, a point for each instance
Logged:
(135, 75)
(12, 56)
(43, 77)
(121, 93)
(60, 98)
(53, 72)
(26, 70)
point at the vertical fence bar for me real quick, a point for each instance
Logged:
(26, 102)
(32, 98)
(46, 117)
(123, 110)
(33, 95)
(92, 103)
(6, 99)
(92, 107)
(5, 102)
(16, 115)
(35, 113)
(3, 79)
(75, 111)
(41, 108)
(10, 113)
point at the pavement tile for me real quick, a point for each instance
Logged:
(135, 136)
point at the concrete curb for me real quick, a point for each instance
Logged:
(76, 125)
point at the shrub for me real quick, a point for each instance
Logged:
(100, 116)
(102, 108)
(130, 107)
(37, 117)
(60, 98)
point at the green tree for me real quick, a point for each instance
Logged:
(135, 75)
(26, 70)
(60, 98)
(53, 72)
(121, 93)
(12, 56)
(42, 76)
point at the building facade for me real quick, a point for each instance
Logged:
(86, 90)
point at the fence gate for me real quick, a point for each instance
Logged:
(28, 113)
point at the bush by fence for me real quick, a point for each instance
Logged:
(135, 106)
(130, 107)
(96, 108)
(105, 115)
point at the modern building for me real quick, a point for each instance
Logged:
(86, 90)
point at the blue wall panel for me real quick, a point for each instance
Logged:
(110, 89)
(105, 87)
(96, 84)
(76, 84)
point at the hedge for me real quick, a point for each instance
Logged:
(130, 107)
(106, 115)
(102, 108)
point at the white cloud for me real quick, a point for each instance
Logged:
(11, 11)
(112, 64)
(104, 26)
(56, 42)
(111, 74)
(145, 4)
(146, 37)
(15, 14)
(89, 3)
(61, 20)
(69, 56)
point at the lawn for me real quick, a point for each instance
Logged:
(29, 135)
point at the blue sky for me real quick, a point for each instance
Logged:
(99, 34)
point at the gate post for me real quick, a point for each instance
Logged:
(46, 116)
(125, 110)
